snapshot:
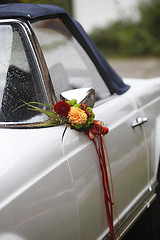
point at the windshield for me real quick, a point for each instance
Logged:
(69, 65)
(19, 81)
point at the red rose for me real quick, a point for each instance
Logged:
(62, 108)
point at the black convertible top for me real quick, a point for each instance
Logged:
(29, 11)
(35, 12)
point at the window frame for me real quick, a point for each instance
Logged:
(42, 71)
(40, 63)
(62, 19)
(69, 23)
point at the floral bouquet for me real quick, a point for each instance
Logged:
(76, 115)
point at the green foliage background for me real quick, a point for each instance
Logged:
(127, 38)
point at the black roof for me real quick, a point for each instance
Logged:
(29, 11)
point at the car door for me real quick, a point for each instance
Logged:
(71, 68)
(127, 153)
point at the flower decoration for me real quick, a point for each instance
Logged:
(80, 117)
(77, 116)
(62, 108)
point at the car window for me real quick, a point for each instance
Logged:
(69, 65)
(18, 79)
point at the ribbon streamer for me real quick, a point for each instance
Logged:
(98, 130)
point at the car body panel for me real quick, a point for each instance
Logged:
(37, 188)
(147, 95)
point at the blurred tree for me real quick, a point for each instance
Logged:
(8, 1)
(130, 38)
(67, 4)
(150, 20)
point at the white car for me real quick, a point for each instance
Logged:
(51, 181)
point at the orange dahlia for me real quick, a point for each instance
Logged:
(77, 116)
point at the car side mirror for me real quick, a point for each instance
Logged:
(82, 95)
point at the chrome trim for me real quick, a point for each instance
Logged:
(139, 121)
(133, 215)
(135, 212)
(29, 40)
(43, 65)
(138, 212)
(21, 125)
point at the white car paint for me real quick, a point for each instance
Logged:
(43, 177)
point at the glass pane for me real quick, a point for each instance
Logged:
(69, 65)
(18, 79)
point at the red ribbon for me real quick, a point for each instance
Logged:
(96, 129)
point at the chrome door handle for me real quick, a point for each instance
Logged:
(139, 121)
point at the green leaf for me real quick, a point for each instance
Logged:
(89, 109)
(93, 115)
(47, 112)
(78, 126)
(90, 120)
(46, 124)
(73, 102)
(77, 105)
(43, 104)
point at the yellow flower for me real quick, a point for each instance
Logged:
(77, 116)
